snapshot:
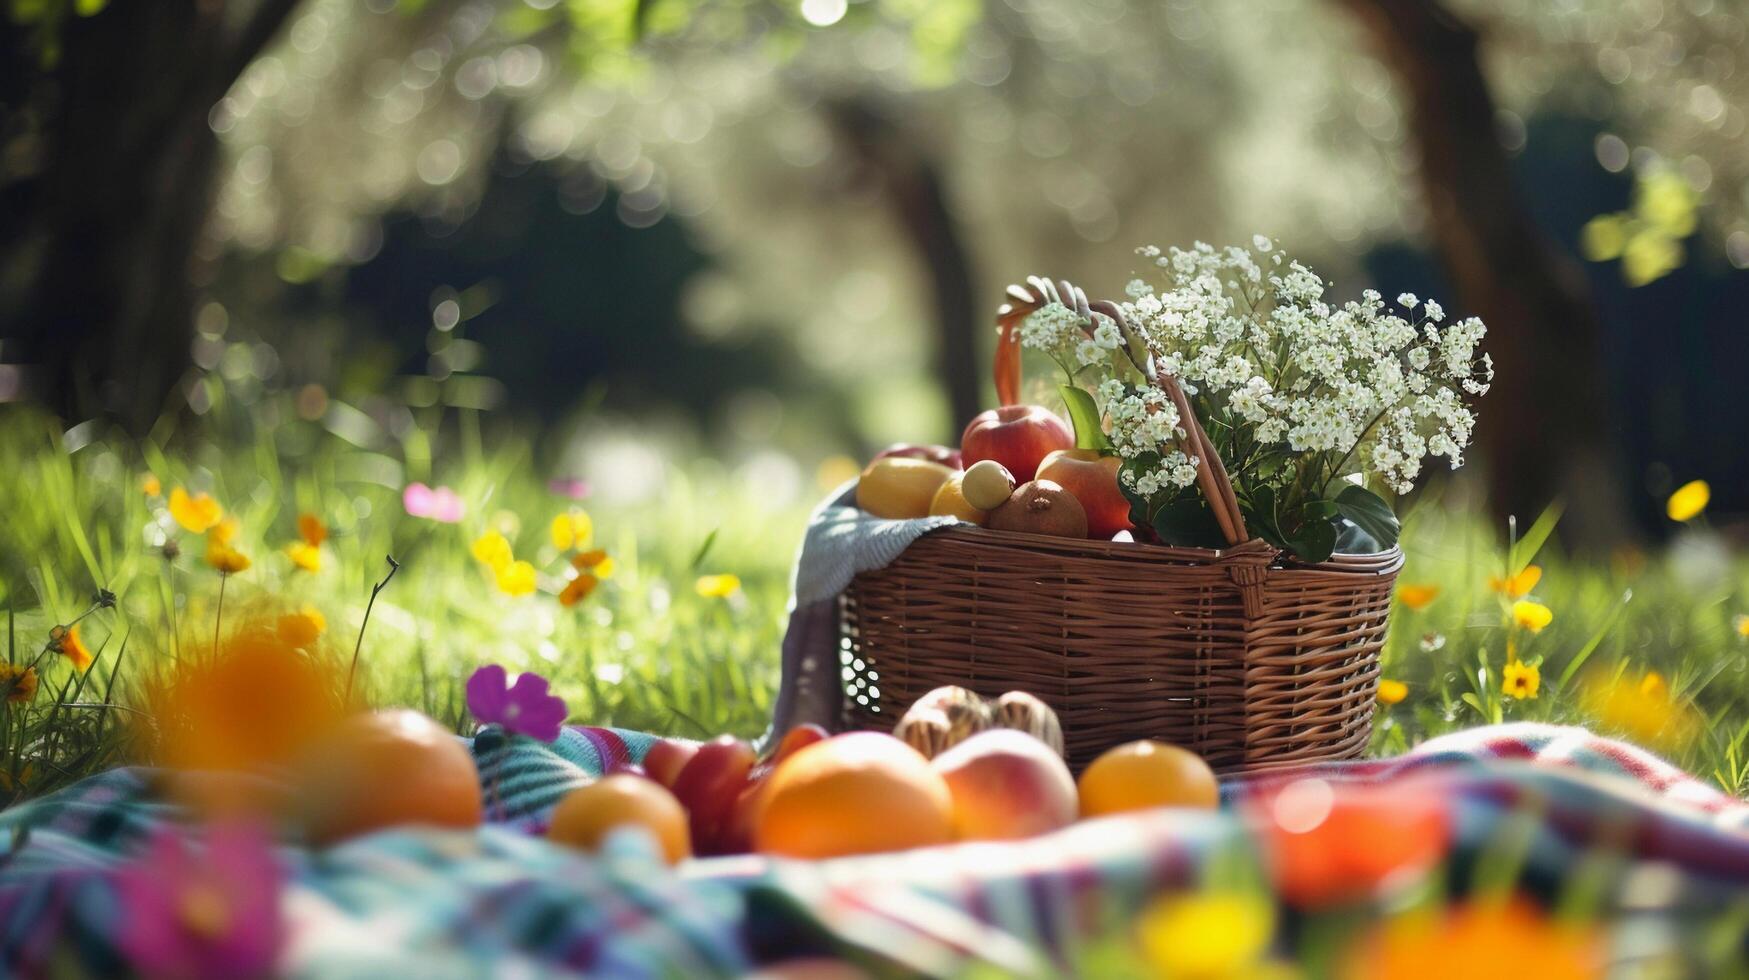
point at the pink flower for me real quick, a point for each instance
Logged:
(525, 708)
(440, 504)
(569, 486)
(202, 915)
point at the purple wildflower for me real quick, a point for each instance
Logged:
(524, 708)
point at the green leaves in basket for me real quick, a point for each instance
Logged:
(1187, 521)
(1084, 415)
(1371, 513)
(1308, 533)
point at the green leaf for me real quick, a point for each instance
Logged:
(1370, 512)
(1524, 551)
(1314, 541)
(1084, 413)
(1188, 523)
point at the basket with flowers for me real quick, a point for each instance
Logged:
(1208, 558)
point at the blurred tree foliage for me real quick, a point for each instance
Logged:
(854, 169)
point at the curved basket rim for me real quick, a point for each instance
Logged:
(1371, 563)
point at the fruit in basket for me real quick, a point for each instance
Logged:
(1006, 785)
(1092, 478)
(986, 484)
(900, 487)
(857, 793)
(386, 769)
(950, 501)
(1024, 712)
(1017, 436)
(709, 787)
(587, 815)
(1147, 774)
(1041, 507)
(942, 719)
(945, 455)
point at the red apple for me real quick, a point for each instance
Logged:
(1017, 436)
(666, 758)
(1092, 478)
(945, 455)
(1006, 785)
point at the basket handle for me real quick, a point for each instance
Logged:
(1211, 473)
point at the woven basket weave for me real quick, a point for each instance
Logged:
(1250, 660)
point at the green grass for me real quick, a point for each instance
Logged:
(646, 650)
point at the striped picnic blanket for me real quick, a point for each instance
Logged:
(501, 901)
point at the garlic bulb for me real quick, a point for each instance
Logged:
(1024, 712)
(942, 719)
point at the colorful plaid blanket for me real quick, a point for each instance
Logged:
(501, 901)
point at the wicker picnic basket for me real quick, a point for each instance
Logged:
(1240, 654)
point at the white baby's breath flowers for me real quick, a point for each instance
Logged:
(1283, 373)
(1072, 340)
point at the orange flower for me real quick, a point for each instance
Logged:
(150, 486)
(312, 530)
(196, 514)
(578, 589)
(1392, 692)
(19, 684)
(303, 627)
(65, 641)
(1517, 586)
(595, 562)
(1331, 843)
(1417, 597)
(224, 532)
(1513, 939)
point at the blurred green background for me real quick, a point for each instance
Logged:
(773, 232)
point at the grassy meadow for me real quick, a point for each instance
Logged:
(1646, 644)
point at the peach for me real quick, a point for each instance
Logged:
(1092, 478)
(1006, 785)
(857, 793)
(1017, 436)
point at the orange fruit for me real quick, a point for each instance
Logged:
(1146, 774)
(587, 815)
(386, 769)
(859, 793)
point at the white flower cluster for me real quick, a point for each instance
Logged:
(1144, 420)
(1285, 374)
(1072, 340)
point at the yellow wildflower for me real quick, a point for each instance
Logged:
(224, 532)
(1417, 597)
(578, 589)
(515, 578)
(65, 641)
(1644, 710)
(717, 586)
(1689, 500)
(1517, 586)
(572, 529)
(1742, 625)
(1206, 935)
(150, 486)
(196, 514)
(1520, 680)
(304, 555)
(1392, 692)
(226, 559)
(303, 627)
(18, 683)
(1532, 616)
(312, 530)
(493, 550)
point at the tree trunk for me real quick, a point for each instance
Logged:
(1543, 429)
(109, 223)
(912, 183)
